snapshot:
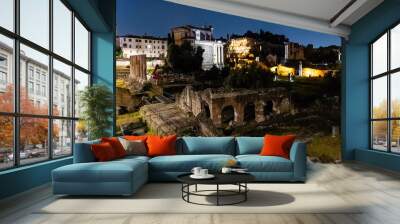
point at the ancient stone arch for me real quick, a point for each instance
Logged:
(268, 108)
(227, 114)
(206, 109)
(249, 112)
(240, 106)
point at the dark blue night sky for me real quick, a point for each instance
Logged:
(156, 17)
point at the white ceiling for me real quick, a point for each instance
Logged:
(326, 16)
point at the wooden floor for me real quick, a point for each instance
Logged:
(378, 189)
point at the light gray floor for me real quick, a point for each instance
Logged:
(379, 189)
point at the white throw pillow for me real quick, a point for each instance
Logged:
(134, 147)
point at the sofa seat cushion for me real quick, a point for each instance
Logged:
(112, 171)
(185, 163)
(257, 163)
(134, 157)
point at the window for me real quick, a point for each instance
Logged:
(30, 73)
(6, 73)
(7, 14)
(385, 94)
(3, 78)
(35, 22)
(30, 87)
(81, 82)
(62, 29)
(7, 142)
(3, 71)
(40, 62)
(81, 45)
(61, 72)
(62, 140)
(48, 77)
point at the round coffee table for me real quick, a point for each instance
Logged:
(238, 179)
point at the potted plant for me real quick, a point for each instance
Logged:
(96, 104)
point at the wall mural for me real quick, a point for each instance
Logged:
(194, 76)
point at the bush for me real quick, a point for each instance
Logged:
(326, 149)
(250, 77)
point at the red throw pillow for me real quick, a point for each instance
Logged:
(135, 137)
(116, 145)
(161, 145)
(103, 152)
(277, 145)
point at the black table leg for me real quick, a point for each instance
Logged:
(196, 187)
(245, 193)
(217, 194)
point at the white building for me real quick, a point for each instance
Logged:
(152, 47)
(213, 54)
(201, 36)
(34, 81)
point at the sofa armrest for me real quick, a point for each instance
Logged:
(298, 155)
(83, 152)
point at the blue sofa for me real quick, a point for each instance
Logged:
(125, 176)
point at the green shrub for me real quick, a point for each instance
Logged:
(326, 149)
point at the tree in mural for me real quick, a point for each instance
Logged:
(33, 131)
(185, 58)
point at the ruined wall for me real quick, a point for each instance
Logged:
(190, 101)
(216, 100)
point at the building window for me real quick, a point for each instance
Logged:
(30, 87)
(385, 95)
(3, 71)
(54, 124)
(30, 73)
(3, 78)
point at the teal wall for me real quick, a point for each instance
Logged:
(24, 178)
(99, 15)
(355, 84)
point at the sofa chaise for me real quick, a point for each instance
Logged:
(125, 176)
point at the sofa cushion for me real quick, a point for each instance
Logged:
(116, 145)
(206, 145)
(161, 145)
(103, 152)
(112, 171)
(257, 163)
(134, 147)
(185, 163)
(249, 145)
(277, 145)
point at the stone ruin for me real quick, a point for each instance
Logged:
(239, 106)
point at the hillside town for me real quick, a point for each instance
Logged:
(192, 83)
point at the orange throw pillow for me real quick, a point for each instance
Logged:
(161, 145)
(135, 137)
(103, 152)
(277, 145)
(116, 145)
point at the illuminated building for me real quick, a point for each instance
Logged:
(240, 48)
(152, 47)
(213, 54)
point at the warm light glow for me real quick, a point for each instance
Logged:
(313, 73)
(282, 70)
(240, 46)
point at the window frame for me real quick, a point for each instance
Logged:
(16, 114)
(388, 74)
